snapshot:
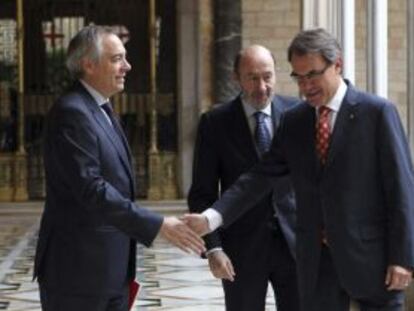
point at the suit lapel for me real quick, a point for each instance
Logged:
(242, 135)
(121, 148)
(309, 126)
(346, 116)
(276, 113)
(124, 141)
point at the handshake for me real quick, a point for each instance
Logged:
(186, 232)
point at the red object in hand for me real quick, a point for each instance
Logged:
(134, 287)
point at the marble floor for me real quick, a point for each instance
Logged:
(171, 279)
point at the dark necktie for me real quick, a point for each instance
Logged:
(107, 107)
(114, 120)
(323, 133)
(262, 134)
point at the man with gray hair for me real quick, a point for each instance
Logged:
(351, 168)
(86, 251)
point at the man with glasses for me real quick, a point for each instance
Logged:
(351, 168)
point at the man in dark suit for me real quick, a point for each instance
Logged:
(350, 164)
(259, 246)
(85, 258)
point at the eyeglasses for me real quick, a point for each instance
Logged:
(310, 76)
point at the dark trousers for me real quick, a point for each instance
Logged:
(56, 301)
(248, 291)
(330, 295)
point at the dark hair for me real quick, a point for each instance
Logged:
(315, 41)
(86, 43)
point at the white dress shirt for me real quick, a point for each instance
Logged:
(335, 104)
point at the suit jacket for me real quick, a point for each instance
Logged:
(225, 149)
(363, 196)
(90, 224)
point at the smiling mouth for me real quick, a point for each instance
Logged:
(261, 96)
(312, 94)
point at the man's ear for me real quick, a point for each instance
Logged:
(88, 65)
(339, 64)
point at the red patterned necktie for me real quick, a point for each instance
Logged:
(323, 133)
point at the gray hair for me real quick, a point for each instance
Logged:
(315, 41)
(86, 43)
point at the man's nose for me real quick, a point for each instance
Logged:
(127, 66)
(304, 84)
(262, 85)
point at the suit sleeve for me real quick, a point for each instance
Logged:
(73, 151)
(398, 184)
(255, 184)
(204, 190)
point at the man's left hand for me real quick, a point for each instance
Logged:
(398, 278)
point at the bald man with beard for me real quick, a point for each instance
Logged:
(258, 247)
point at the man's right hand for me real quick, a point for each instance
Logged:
(197, 222)
(179, 234)
(220, 265)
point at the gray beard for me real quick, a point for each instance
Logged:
(269, 101)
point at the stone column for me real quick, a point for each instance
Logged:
(227, 42)
(194, 56)
(188, 85)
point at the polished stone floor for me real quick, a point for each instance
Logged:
(171, 279)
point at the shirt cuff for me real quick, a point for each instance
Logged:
(213, 250)
(214, 218)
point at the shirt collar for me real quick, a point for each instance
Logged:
(95, 94)
(336, 101)
(250, 111)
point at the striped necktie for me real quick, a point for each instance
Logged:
(261, 133)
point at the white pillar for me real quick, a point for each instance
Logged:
(410, 71)
(346, 35)
(377, 58)
(337, 17)
(316, 13)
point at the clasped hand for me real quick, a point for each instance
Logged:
(178, 233)
(197, 222)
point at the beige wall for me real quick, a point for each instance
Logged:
(272, 23)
